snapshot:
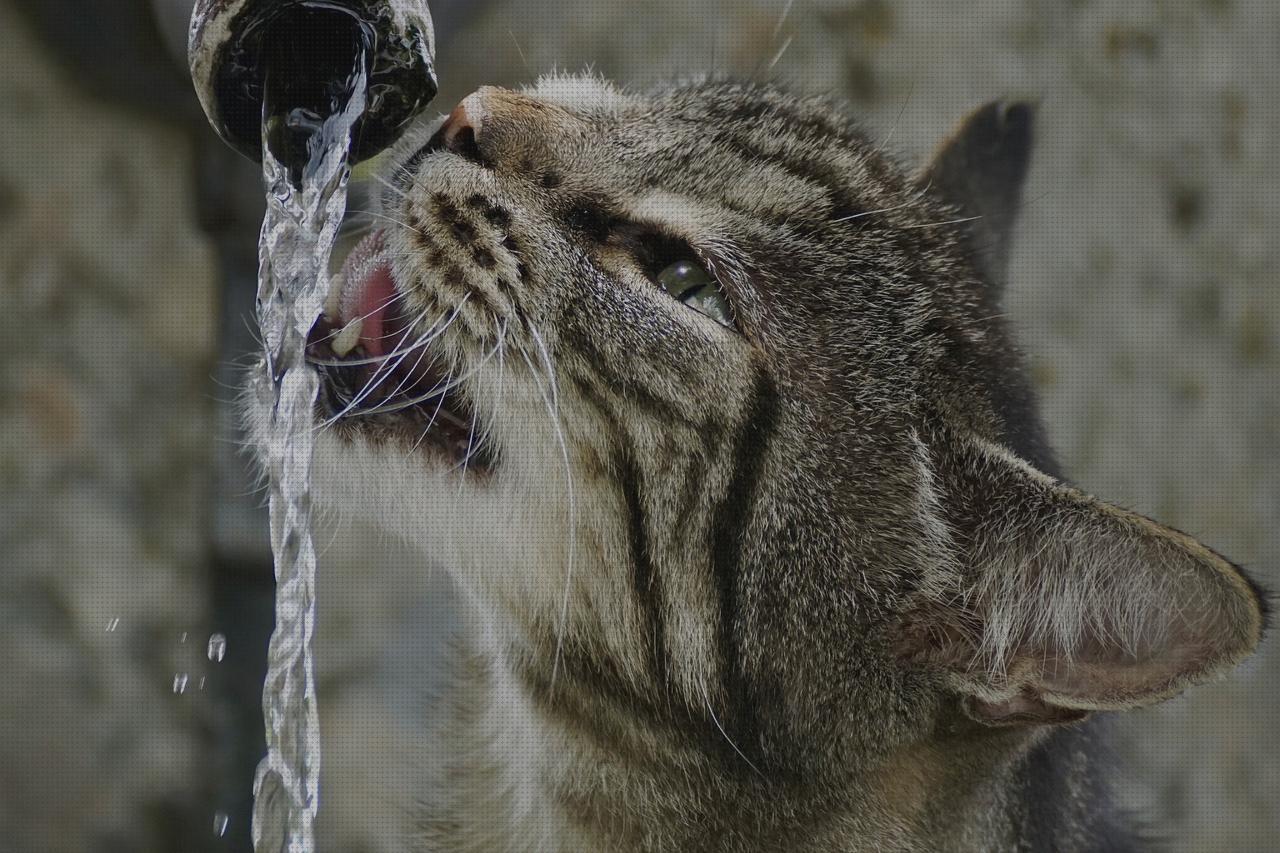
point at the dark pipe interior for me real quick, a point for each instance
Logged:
(308, 50)
(313, 61)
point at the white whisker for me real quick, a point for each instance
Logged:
(707, 699)
(406, 226)
(471, 434)
(378, 377)
(782, 19)
(439, 388)
(401, 194)
(553, 409)
(502, 367)
(427, 337)
(352, 226)
(519, 50)
(777, 57)
(394, 297)
(254, 331)
(940, 224)
(902, 109)
(914, 198)
(466, 455)
(431, 421)
(423, 341)
(409, 373)
(546, 359)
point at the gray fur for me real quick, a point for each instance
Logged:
(809, 584)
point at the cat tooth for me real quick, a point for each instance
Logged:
(333, 297)
(347, 339)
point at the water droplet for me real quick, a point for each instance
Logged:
(217, 648)
(180, 682)
(112, 624)
(220, 821)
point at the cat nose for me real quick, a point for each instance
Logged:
(493, 126)
(460, 132)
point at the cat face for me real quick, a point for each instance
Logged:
(700, 396)
(636, 297)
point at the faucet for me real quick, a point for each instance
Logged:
(300, 55)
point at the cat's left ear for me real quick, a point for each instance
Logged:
(1054, 604)
(981, 169)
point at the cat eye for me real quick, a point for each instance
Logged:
(690, 283)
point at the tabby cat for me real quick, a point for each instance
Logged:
(708, 406)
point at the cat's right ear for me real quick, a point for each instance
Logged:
(981, 169)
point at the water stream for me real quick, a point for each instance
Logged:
(305, 169)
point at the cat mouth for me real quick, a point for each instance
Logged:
(379, 375)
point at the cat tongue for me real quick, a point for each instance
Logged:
(368, 289)
(375, 293)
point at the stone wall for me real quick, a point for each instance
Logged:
(109, 297)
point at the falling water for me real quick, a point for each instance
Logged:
(305, 168)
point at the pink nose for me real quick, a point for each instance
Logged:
(461, 129)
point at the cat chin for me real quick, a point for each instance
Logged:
(492, 529)
(415, 497)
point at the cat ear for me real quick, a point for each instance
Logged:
(1060, 604)
(981, 168)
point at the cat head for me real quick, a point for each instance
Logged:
(702, 396)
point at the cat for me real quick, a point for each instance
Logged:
(710, 409)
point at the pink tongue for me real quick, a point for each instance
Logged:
(372, 300)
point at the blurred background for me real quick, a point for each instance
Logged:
(135, 579)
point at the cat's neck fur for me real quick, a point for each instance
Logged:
(516, 769)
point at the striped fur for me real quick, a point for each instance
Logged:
(735, 589)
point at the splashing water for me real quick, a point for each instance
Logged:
(305, 169)
(217, 649)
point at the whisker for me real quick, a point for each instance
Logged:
(497, 394)
(254, 331)
(379, 376)
(409, 374)
(395, 221)
(553, 409)
(940, 224)
(428, 336)
(435, 414)
(872, 212)
(523, 60)
(439, 388)
(914, 198)
(397, 295)
(352, 226)
(399, 193)
(778, 56)
(466, 455)
(471, 434)
(542, 348)
(902, 109)
(236, 387)
(707, 699)
(782, 19)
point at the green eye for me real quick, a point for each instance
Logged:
(691, 284)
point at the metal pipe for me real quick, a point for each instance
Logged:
(307, 46)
